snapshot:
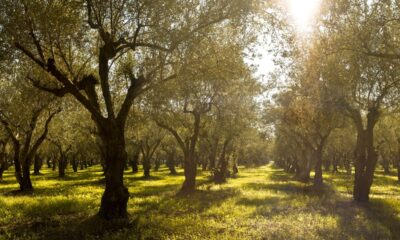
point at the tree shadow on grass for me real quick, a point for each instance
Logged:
(386, 214)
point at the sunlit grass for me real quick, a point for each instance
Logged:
(262, 203)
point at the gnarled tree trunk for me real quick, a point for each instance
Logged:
(190, 172)
(115, 197)
(365, 157)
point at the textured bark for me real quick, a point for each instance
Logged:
(115, 197)
(365, 158)
(190, 172)
(62, 165)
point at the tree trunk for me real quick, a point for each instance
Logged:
(213, 155)
(398, 160)
(146, 167)
(22, 170)
(62, 164)
(204, 163)
(2, 169)
(398, 170)
(318, 180)
(171, 163)
(335, 164)
(157, 163)
(327, 165)
(365, 160)
(235, 169)
(26, 179)
(220, 174)
(81, 163)
(37, 165)
(3, 164)
(54, 163)
(115, 197)
(303, 167)
(385, 165)
(190, 171)
(74, 164)
(134, 163)
(48, 162)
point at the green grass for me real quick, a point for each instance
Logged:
(261, 203)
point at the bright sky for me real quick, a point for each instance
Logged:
(302, 13)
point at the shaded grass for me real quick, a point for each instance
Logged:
(261, 203)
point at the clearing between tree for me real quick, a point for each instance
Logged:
(261, 203)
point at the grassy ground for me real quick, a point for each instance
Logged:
(262, 203)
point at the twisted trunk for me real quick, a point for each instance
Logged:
(190, 172)
(365, 158)
(115, 197)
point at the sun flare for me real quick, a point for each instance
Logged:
(302, 12)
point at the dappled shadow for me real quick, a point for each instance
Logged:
(386, 214)
(267, 197)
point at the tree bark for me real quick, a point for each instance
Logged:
(213, 154)
(3, 164)
(204, 163)
(303, 167)
(190, 172)
(318, 180)
(37, 165)
(146, 167)
(398, 170)
(74, 164)
(171, 162)
(134, 163)
(335, 164)
(157, 163)
(220, 174)
(115, 197)
(365, 158)
(62, 165)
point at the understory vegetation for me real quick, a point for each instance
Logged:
(260, 203)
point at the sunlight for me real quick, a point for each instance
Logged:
(302, 12)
